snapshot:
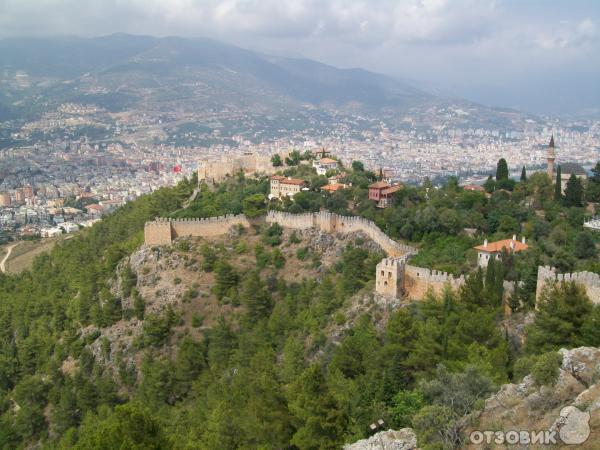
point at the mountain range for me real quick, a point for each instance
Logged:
(121, 72)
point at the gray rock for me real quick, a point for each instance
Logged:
(404, 439)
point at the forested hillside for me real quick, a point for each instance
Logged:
(293, 352)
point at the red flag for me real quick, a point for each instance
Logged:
(177, 169)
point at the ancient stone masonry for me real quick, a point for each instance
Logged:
(418, 280)
(589, 280)
(163, 231)
(389, 277)
(329, 222)
(395, 279)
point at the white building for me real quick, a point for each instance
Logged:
(324, 164)
(494, 249)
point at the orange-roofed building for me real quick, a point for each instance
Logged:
(474, 187)
(282, 186)
(333, 187)
(383, 193)
(494, 249)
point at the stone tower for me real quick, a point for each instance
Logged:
(551, 156)
(389, 278)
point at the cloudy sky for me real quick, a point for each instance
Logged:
(536, 55)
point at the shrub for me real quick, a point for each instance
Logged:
(302, 253)
(277, 259)
(294, 239)
(545, 370)
(197, 320)
(184, 246)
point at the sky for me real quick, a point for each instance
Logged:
(541, 56)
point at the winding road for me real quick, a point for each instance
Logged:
(8, 252)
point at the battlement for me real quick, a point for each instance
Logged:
(334, 223)
(433, 275)
(162, 231)
(388, 263)
(589, 280)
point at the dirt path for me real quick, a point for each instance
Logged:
(8, 252)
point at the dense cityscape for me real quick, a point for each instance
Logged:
(60, 184)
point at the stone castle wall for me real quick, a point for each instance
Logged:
(589, 280)
(394, 277)
(216, 170)
(329, 222)
(158, 232)
(419, 280)
(163, 231)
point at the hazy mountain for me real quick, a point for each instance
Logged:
(123, 71)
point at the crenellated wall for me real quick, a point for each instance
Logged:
(419, 280)
(394, 278)
(163, 231)
(333, 223)
(589, 280)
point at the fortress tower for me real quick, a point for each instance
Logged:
(551, 156)
(389, 278)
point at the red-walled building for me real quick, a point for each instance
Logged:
(383, 193)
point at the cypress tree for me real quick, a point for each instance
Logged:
(523, 175)
(501, 170)
(558, 185)
(573, 191)
(490, 281)
(593, 185)
(489, 185)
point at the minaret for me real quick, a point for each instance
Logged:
(551, 157)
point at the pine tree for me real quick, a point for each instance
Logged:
(573, 191)
(226, 279)
(501, 170)
(558, 185)
(523, 175)
(320, 421)
(255, 297)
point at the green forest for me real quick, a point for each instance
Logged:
(269, 375)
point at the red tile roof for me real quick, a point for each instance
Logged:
(379, 185)
(285, 180)
(292, 181)
(391, 189)
(327, 161)
(333, 187)
(498, 246)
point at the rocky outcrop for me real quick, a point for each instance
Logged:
(570, 409)
(404, 439)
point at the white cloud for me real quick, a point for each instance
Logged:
(433, 21)
(569, 35)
